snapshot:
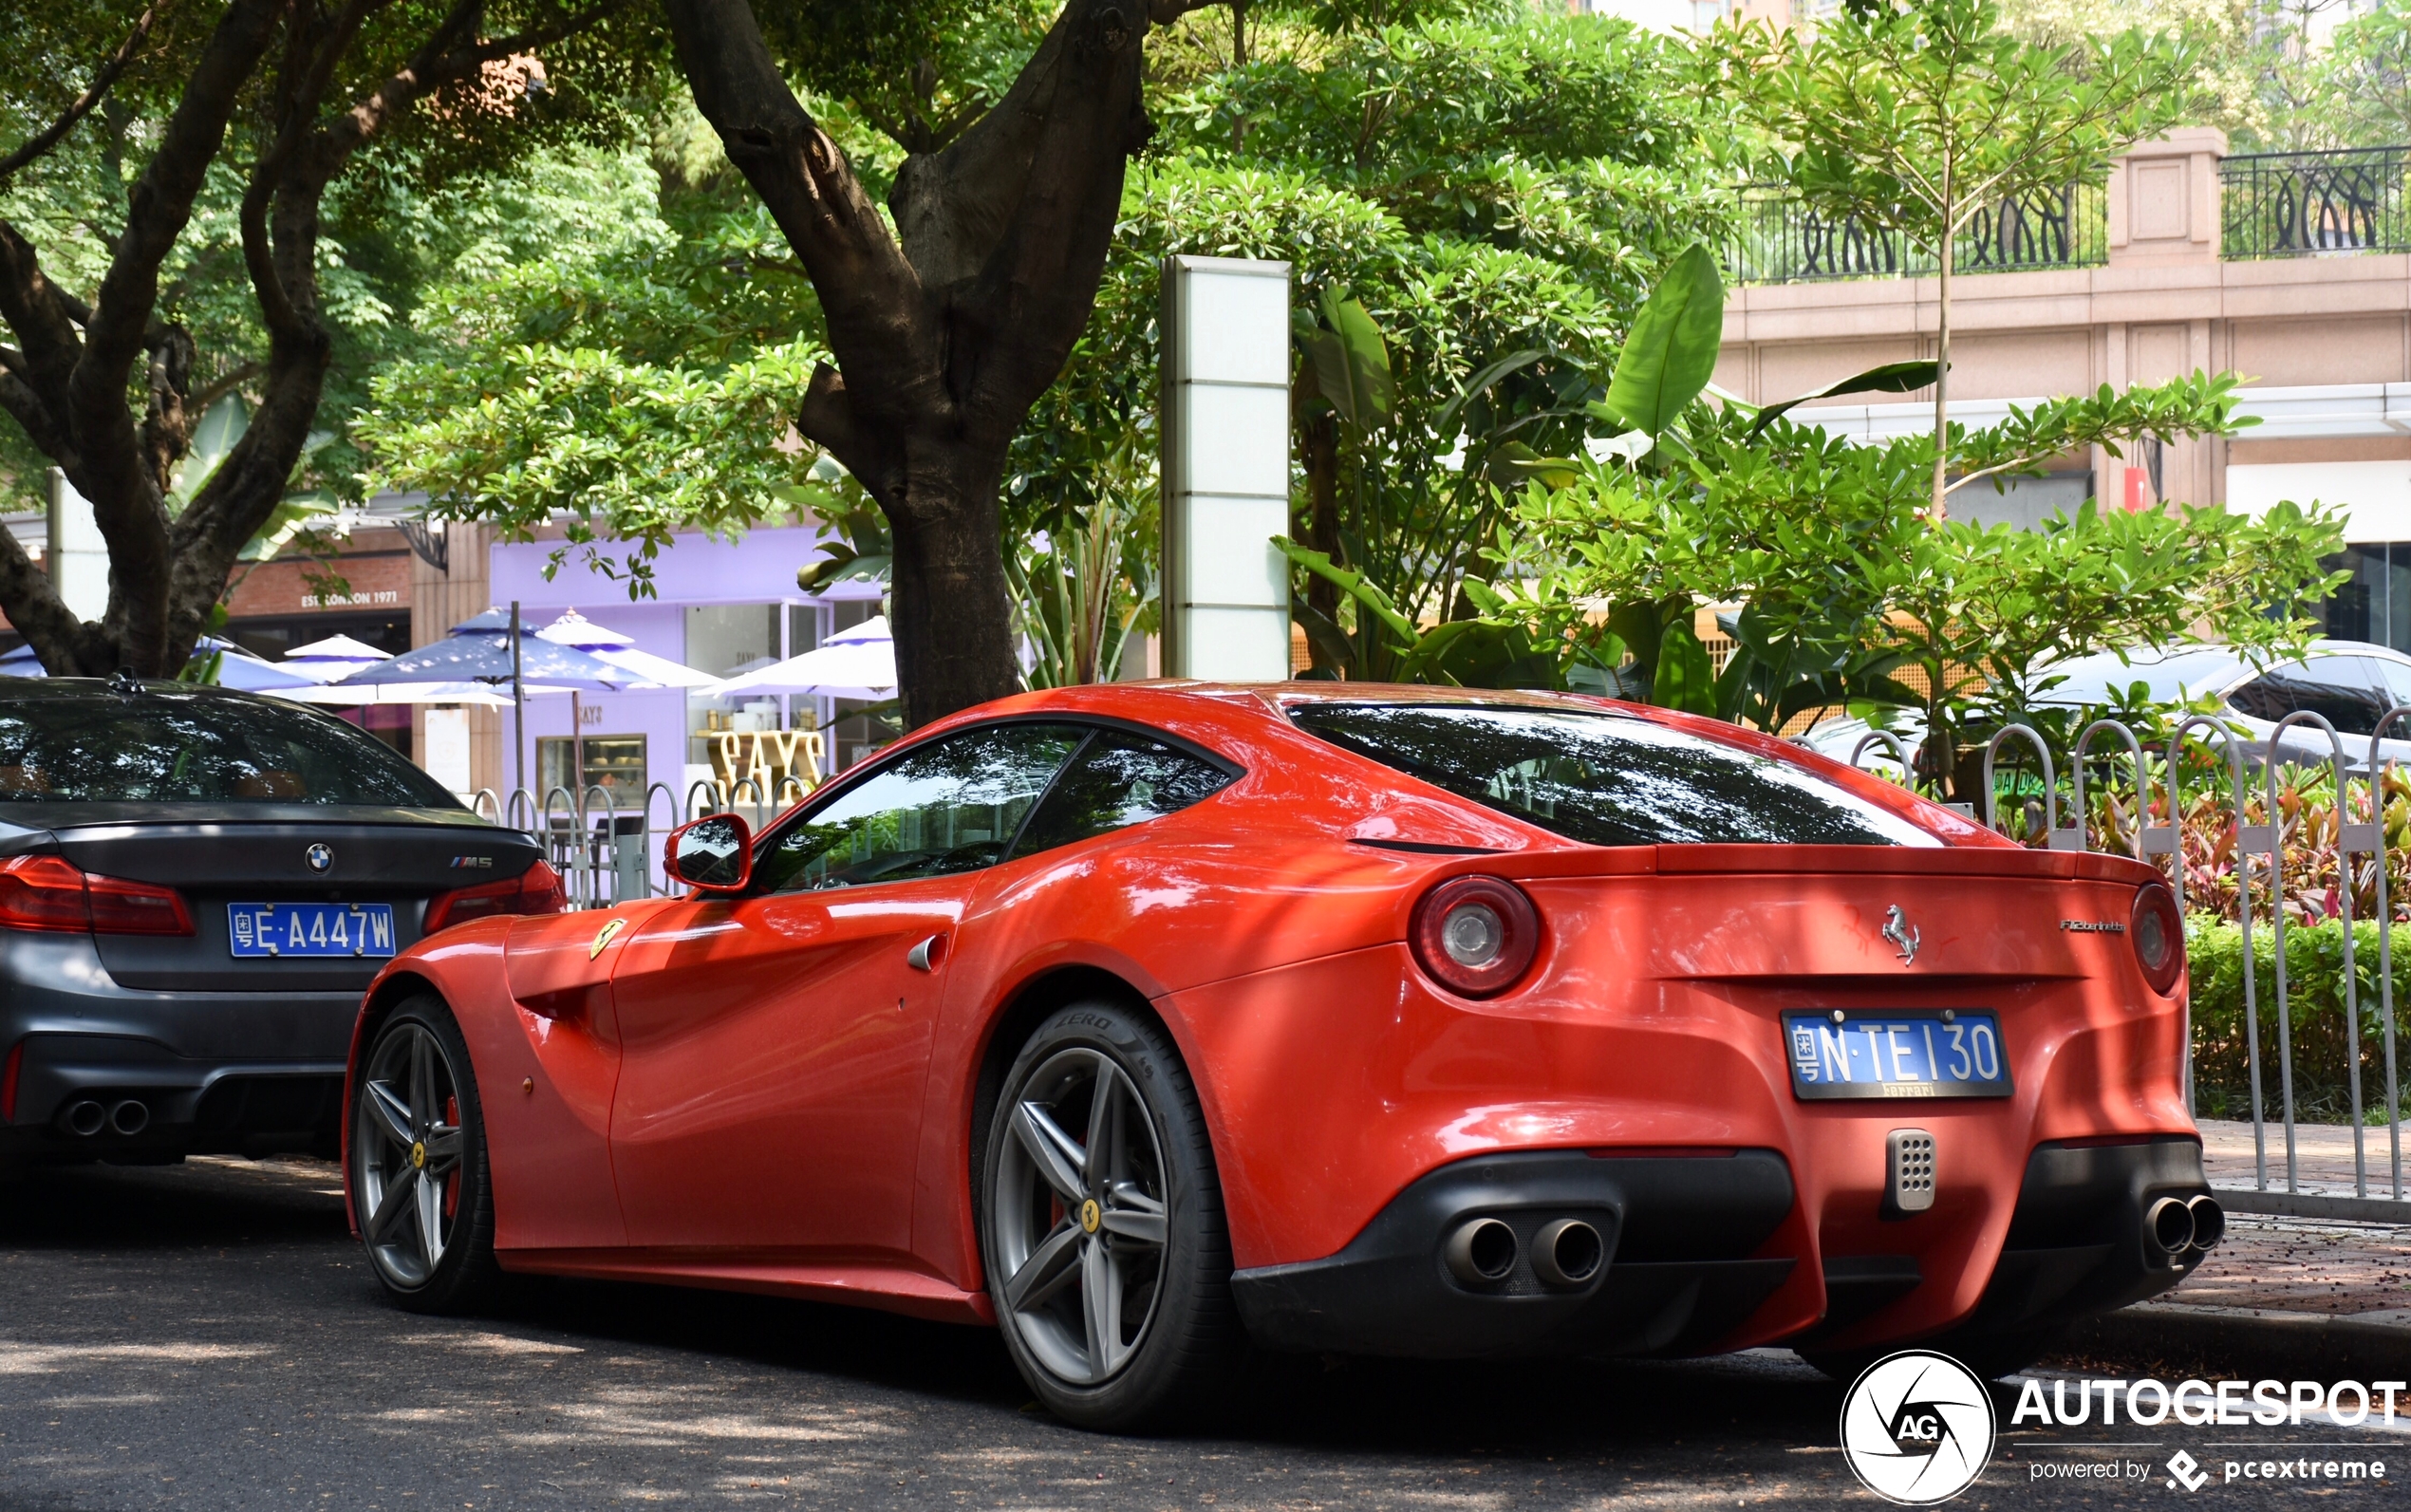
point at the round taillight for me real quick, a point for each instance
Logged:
(2158, 932)
(1476, 936)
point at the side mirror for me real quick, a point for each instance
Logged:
(712, 855)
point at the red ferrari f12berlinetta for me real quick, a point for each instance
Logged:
(1152, 1022)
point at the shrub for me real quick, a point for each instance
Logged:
(2314, 997)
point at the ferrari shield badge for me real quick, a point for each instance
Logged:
(603, 937)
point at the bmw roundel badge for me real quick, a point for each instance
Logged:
(321, 858)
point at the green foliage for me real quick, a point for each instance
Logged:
(1350, 365)
(1671, 352)
(1916, 117)
(630, 451)
(2314, 999)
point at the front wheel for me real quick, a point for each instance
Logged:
(422, 1196)
(1108, 1256)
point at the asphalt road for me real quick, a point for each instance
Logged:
(206, 1337)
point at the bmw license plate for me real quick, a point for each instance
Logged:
(1905, 1053)
(310, 928)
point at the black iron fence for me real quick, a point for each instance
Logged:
(1784, 240)
(2309, 204)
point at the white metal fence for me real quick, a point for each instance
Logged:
(2257, 856)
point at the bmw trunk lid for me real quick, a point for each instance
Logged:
(218, 857)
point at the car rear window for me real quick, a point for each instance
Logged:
(1608, 779)
(156, 747)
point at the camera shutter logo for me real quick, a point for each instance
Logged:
(1917, 1427)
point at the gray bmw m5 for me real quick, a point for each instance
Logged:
(196, 885)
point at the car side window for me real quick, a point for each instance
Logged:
(1118, 779)
(2393, 688)
(951, 805)
(2335, 686)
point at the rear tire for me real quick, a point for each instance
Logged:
(421, 1191)
(1101, 1224)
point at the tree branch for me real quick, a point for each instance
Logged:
(102, 78)
(225, 384)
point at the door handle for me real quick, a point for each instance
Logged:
(925, 955)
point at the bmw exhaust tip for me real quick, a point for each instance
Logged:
(130, 1117)
(1566, 1254)
(2168, 1228)
(85, 1118)
(1481, 1252)
(2209, 1222)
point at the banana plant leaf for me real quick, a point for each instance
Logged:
(1351, 364)
(1892, 378)
(1671, 352)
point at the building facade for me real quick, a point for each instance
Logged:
(2293, 270)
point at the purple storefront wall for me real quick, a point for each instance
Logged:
(695, 569)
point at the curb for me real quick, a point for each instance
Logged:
(2255, 1341)
(2312, 1204)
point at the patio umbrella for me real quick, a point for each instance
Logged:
(484, 656)
(349, 696)
(239, 671)
(579, 633)
(244, 672)
(856, 664)
(483, 649)
(337, 656)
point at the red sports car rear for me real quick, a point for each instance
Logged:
(1150, 1020)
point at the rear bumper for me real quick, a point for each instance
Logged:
(2077, 1246)
(213, 1073)
(1678, 1236)
(1688, 1264)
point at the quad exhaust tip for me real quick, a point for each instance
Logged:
(85, 1118)
(1566, 1254)
(2209, 1222)
(1481, 1252)
(130, 1116)
(2168, 1227)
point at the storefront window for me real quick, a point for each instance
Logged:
(613, 762)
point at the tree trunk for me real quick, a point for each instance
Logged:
(954, 628)
(947, 333)
(67, 382)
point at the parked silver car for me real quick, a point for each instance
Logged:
(2352, 683)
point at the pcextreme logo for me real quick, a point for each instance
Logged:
(1917, 1427)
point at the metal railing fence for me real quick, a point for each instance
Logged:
(2203, 757)
(604, 853)
(1783, 239)
(2306, 204)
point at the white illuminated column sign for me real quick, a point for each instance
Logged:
(1225, 468)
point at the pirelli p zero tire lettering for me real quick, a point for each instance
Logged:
(1101, 1223)
(421, 1191)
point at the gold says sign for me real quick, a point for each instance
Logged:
(769, 759)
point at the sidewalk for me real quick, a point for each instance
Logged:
(2294, 1294)
(2323, 1160)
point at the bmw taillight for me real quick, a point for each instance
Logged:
(536, 891)
(1475, 936)
(50, 893)
(2157, 933)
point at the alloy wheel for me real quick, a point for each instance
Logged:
(1080, 1216)
(406, 1154)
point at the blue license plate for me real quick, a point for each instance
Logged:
(310, 928)
(1905, 1053)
